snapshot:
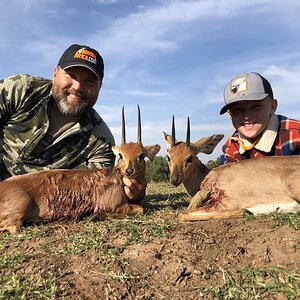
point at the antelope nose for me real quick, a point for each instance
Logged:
(175, 180)
(129, 171)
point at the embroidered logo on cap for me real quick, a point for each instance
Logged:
(85, 54)
(239, 85)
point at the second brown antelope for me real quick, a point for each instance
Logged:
(58, 195)
(257, 186)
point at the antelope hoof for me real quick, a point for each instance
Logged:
(136, 209)
(99, 217)
(13, 229)
(197, 200)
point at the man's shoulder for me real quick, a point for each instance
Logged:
(98, 126)
(25, 81)
(25, 78)
(93, 119)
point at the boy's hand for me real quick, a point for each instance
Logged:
(135, 190)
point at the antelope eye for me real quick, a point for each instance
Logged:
(167, 158)
(189, 160)
(120, 156)
(142, 156)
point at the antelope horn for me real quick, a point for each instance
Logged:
(188, 134)
(173, 133)
(139, 137)
(123, 140)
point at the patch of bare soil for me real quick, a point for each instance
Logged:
(189, 257)
(197, 254)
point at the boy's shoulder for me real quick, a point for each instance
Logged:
(287, 123)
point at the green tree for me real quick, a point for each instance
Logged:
(214, 163)
(157, 170)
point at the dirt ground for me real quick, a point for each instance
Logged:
(105, 261)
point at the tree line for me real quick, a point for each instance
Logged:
(158, 170)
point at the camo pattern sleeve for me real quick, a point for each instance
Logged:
(100, 154)
(22, 99)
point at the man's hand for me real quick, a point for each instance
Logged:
(135, 190)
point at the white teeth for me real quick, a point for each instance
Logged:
(74, 96)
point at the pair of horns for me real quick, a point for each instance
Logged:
(139, 136)
(188, 133)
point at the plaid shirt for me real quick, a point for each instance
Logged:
(287, 143)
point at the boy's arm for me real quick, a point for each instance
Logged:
(230, 152)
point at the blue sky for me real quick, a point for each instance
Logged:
(171, 57)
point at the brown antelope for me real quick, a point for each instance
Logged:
(256, 186)
(57, 195)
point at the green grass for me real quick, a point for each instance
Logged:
(7, 261)
(257, 283)
(280, 219)
(291, 220)
(27, 287)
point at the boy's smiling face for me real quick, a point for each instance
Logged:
(250, 118)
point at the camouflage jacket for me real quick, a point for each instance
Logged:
(24, 121)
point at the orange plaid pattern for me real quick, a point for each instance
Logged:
(287, 143)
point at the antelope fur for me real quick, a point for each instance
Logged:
(59, 195)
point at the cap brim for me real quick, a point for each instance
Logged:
(248, 97)
(80, 65)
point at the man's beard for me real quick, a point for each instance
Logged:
(74, 110)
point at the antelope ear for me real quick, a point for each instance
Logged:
(168, 140)
(208, 144)
(116, 150)
(151, 151)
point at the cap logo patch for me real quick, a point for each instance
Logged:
(85, 54)
(239, 85)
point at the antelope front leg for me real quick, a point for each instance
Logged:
(136, 209)
(127, 209)
(13, 229)
(197, 199)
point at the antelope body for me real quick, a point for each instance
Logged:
(47, 196)
(260, 185)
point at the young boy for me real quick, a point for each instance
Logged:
(259, 131)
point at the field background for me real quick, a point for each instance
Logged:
(153, 256)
